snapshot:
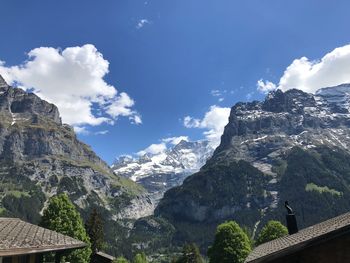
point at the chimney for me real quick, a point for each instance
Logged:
(291, 220)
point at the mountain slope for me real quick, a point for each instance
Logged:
(41, 157)
(293, 146)
(160, 172)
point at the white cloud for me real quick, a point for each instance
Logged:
(141, 23)
(214, 122)
(73, 80)
(153, 149)
(218, 93)
(190, 122)
(310, 75)
(265, 86)
(215, 93)
(175, 140)
(135, 119)
(101, 132)
(81, 130)
(159, 148)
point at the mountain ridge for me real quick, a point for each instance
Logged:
(296, 142)
(162, 171)
(41, 157)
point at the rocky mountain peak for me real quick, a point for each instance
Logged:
(291, 146)
(260, 131)
(161, 171)
(293, 101)
(3, 83)
(19, 106)
(36, 149)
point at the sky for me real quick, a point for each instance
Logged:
(138, 76)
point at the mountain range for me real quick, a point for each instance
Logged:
(162, 171)
(291, 146)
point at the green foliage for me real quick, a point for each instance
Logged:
(156, 232)
(272, 230)
(24, 206)
(316, 183)
(62, 216)
(19, 196)
(140, 258)
(94, 228)
(231, 244)
(190, 254)
(121, 260)
(193, 206)
(321, 189)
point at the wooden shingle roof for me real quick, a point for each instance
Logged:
(18, 237)
(306, 237)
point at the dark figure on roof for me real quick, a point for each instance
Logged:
(289, 209)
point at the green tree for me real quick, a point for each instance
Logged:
(140, 258)
(94, 228)
(272, 230)
(190, 254)
(121, 260)
(62, 216)
(231, 244)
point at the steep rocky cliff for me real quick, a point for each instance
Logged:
(40, 157)
(291, 146)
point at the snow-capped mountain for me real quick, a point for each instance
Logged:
(291, 146)
(159, 172)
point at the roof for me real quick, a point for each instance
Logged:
(18, 237)
(306, 237)
(104, 255)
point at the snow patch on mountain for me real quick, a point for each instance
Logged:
(162, 171)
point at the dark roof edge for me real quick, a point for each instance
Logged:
(34, 250)
(105, 255)
(308, 243)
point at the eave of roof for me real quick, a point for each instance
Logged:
(309, 243)
(18, 237)
(307, 237)
(33, 250)
(102, 254)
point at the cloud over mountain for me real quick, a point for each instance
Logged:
(309, 75)
(214, 122)
(73, 80)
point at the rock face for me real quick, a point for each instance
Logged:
(160, 172)
(41, 157)
(291, 146)
(260, 131)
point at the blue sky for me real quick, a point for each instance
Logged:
(172, 59)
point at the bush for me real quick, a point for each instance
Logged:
(231, 244)
(272, 230)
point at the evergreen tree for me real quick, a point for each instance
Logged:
(190, 254)
(140, 258)
(94, 228)
(272, 230)
(62, 216)
(231, 244)
(121, 260)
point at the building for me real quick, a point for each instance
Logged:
(21, 242)
(326, 242)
